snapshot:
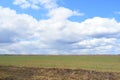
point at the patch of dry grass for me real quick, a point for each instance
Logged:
(30, 73)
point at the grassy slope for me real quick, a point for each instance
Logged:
(102, 63)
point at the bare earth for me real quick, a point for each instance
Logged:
(27, 73)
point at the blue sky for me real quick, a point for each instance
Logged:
(92, 8)
(59, 27)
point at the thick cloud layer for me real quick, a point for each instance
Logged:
(23, 34)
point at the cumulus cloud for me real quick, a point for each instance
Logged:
(23, 34)
(62, 13)
(36, 4)
(15, 24)
(97, 42)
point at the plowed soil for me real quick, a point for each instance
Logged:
(28, 73)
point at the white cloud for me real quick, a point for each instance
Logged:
(101, 25)
(15, 25)
(62, 13)
(50, 4)
(23, 3)
(36, 4)
(97, 42)
(58, 34)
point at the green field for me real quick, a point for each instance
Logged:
(100, 63)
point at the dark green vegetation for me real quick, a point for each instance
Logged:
(99, 63)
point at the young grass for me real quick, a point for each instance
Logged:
(100, 63)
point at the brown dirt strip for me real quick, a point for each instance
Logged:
(28, 73)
